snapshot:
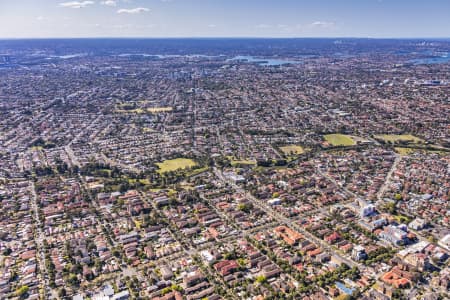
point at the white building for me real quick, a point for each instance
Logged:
(445, 242)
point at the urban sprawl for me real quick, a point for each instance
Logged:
(134, 176)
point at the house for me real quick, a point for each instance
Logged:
(274, 201)
(314, 253)
(174, 295)
(124, 295)
(441, 281)
(166, 272)
(419, 261)
(226, 267)
(378, 223)
(398, 278)
(359, 253)
(394, 235)
(332, 238)
(323, 257)
(418, 224)
(289, 235)
(445, 242)
(192, 280)
(367, 210)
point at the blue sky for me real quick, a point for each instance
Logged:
(224, 18)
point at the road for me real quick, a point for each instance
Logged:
(75, 139)
(387, 182)
(191, 250)
(72, 156)
(39, 240)
(68, 148)
(279, 217)
(339, 186)
(123, 166)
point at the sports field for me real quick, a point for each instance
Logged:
(292, 149)
(175, 164)
(339, 139)
(393, 138)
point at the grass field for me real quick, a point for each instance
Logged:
(137, 223)
(175, 164)
(155, 110)
(142, 181)
(404, 151)
(402, 219)
(292, 149)
(197, 171)
(235, 163)
(159, 190)
(408, 151)
(339, 139)
(130, 111)
(393, 138)
(139, 111)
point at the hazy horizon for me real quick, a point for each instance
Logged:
(401, 19)
(224, 38)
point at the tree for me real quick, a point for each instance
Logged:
(22, 291)
(73, 279)
(391, 207)
(261, 279)
(432, 239)
(7, 252)
(62, 293)
(245, 207)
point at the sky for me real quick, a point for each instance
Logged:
(225, 18)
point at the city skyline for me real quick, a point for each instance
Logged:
(214, 18)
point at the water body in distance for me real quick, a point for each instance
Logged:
(432, 58)
(263, 61)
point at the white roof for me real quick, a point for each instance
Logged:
(445, 242)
